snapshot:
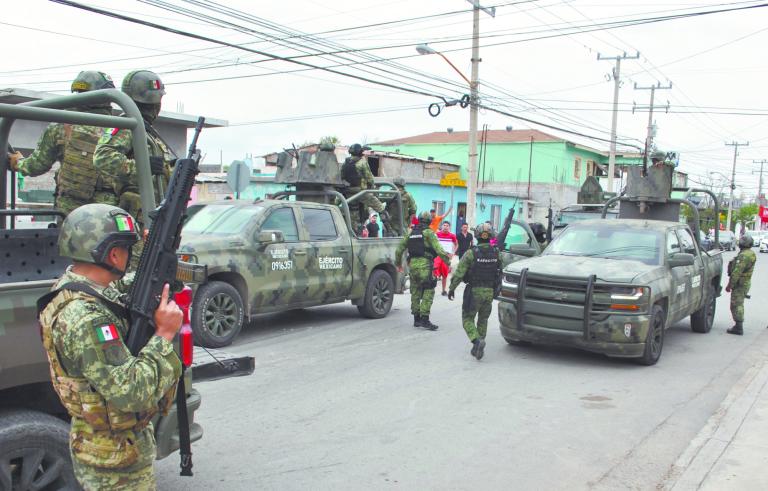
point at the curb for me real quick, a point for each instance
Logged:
(694, 465)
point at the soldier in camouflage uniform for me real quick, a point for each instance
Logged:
(114, 151)
(77, 181)
(480, 268)
(423, 247)
(740, 279)
(407, 203)
(110, 394)
(356, 171)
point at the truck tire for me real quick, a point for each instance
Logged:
(654, 341)
(34, 452)
(702, 319)
(217, 314)
(379, 295)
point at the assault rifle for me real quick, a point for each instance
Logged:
(502, 237)
(158, 265)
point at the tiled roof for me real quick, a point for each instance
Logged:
(494, 136)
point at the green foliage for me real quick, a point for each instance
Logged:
(330, 139)
(746, 214)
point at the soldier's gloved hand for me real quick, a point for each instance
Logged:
(728, 287)
(157, 165)
(13, 160)
(172, 163)
(451, 294)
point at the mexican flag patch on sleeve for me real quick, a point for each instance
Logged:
(107, 333)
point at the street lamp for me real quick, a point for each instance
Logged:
(424, 49)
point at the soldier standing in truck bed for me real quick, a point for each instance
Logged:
(77, 181)
(356, 171)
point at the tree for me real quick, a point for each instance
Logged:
(746, 214)
(332, 139)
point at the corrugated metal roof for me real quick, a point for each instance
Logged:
(462, 137)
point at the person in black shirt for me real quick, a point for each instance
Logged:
(465, 239)
(372, 226)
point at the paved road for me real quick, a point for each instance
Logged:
(338, 402)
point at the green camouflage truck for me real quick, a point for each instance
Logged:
(294, 251)
(34, 427)
(614, 286)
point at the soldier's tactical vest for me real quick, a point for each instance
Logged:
(416, 245)
(78, 177)
(349, 172)
(485, 270)
(83, 402)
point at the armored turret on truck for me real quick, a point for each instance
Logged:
(615, 286)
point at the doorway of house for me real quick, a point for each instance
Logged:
(461, 214)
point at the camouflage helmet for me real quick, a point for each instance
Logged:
(746, 241)
(424, 216)
(144, 86)
(485, 232)
(356, 149)
(659, 155)
(88, 80)
(90, 231)
(399, 182)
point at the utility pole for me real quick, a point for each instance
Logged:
(614, 120)
(735, 146)
(650, 107)
(472, 157)
(760, 185)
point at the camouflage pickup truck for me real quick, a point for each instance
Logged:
(614, 286)
(273, 255)
(34, 427)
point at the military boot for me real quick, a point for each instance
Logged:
(473, 351)
(426, 324)
(480, 348)
(416, 320)
(738, 329)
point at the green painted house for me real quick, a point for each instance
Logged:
(530, 164)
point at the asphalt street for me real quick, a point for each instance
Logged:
(342, 402)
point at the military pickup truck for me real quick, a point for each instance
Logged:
(614, 286)
(297, 251)
(34, 427)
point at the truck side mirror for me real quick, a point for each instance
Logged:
(521, 250)
(680, 259)
(266, 237)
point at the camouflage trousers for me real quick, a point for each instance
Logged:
(423, 285)
(477, 302)
(737, 304)
(139, 476)
(67, 204)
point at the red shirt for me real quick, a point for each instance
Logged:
(448, 241)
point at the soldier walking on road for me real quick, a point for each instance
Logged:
(110, 395)
(423, 246)
(480, 269)
(114, 152)
(356, 171)
(740, 278)
(77, 181)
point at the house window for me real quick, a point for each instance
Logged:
(496, 216)
(591, 168)
(577, 168)
(439, 207)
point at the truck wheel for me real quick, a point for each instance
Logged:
(379, 294)
(702, 319)
(654, 341)
(217, 314)
(34, 452)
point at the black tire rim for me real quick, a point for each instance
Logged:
(381, 296)
(221, 315)
(657, 336)
(32, 469)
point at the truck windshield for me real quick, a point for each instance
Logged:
(607, 242)
(221, 219)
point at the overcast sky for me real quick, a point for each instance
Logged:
(716, 63)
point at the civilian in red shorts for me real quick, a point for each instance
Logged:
(449, 243)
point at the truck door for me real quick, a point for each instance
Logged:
(285, 263)
(329, 258)
(680, 280)
(519, 243)
(695, 273)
